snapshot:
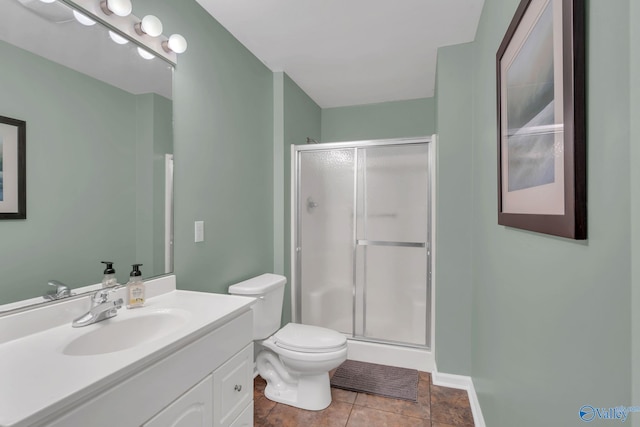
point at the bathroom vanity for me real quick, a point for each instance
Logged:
(184, 359)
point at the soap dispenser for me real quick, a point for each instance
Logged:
(109, 279)
(135, 288)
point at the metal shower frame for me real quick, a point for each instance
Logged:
(296, 249)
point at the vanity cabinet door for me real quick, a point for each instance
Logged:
(245, 419)
(192, 409)
(233, 388)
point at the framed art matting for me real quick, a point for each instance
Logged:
(541, 119)
(13, 191)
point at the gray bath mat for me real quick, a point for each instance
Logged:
(388, 381)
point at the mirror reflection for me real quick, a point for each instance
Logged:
(98, 152)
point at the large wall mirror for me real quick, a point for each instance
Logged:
(99, 145)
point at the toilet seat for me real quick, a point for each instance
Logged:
(309, 339)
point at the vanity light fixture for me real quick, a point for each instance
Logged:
(83, 19)
(146, 55)
(176, 43)
(117, 38)
(149, 25)
(118, 7)
(125, 27)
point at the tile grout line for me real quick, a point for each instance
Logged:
(430, 401)
(349, 417)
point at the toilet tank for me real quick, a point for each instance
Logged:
(267, 311)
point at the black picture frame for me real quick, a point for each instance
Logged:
(541, 94)
(13, 168)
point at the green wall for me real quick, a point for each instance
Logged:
(551, 317)
(223, 139)
(398, 119)
(80, 166)
(453, 210)
(634, 96)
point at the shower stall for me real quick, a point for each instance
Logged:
(362, 244)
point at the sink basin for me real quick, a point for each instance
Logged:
(121, 333)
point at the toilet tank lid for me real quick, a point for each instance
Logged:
(258, 285)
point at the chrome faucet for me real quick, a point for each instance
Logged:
(102, 307)
(62, 291)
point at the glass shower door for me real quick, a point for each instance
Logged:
(325, 208)
(392, 243)
(362, 241)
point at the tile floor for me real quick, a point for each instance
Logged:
(436, 407)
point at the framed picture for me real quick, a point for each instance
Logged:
(541, 119)
(13, 174)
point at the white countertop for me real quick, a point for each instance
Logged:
(38, 379)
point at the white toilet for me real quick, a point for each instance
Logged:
(296, 360)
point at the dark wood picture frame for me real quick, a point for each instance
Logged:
(565, 164)
(15, 133)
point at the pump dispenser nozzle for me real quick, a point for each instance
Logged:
(136, 270)
(109, 279)
(109, 267)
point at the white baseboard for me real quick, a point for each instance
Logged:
(463, 383)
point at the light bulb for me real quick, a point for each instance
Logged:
(84, 20)
(176, 43)
(149, 25)
(119, 7)
(47, 1)
(118, 38)
(143, 53)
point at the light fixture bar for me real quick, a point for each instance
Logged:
(125, 27)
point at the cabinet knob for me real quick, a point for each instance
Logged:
(238, 387)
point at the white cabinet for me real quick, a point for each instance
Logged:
(193, 409)
(207, 382)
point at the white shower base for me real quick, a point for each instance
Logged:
(391, 355)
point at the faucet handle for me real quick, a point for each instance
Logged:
(62, 290)
(102, 295)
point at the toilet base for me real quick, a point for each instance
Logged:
(311, 392)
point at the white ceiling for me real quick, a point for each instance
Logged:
(351, 52)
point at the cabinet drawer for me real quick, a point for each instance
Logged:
(233, 387)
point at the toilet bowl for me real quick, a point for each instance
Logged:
(294, 361)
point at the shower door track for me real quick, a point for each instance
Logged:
(296, 272)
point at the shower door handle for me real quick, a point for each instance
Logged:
(388, 243)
